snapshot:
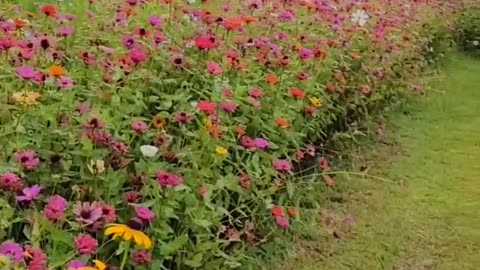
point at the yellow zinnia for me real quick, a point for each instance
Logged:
(26, 98)
(316, 102)
(222, 151)
(128, 234)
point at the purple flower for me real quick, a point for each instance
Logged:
(85, 244)
(282, 165)
(28, 159)
(10, 182)
(261, 143)
(12, 250)
(287, 16)
(144, 214)
(29, 194)
(65, 31)
(75, 264)
(306, 54)
(26, 72)
(55, 208)
(154, 20)
(87, 213)
(128, 42)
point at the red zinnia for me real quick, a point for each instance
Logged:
(206, 106)
(49, 10)
(297, 93)
(205, 42)
(277, 211)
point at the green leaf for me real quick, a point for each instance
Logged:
(196, 261)
(172, 247)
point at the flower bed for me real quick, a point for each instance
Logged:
(166, 134)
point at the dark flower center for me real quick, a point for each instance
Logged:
(178, 61)
(24, 159)
(135, 223)
(44, 44)
(85, 214)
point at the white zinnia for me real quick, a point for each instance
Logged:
(360, 17)
(475, 43)
(148, 150)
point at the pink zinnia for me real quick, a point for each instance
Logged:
(145, 214)
(306, 54)
(55, 208)
(282, 165)
(228, 106)
(256, 93)
(75, 264)
(138, 55)
(247, 142)
(261, 143)
(38, 259)
(141, 257)
(26, 72)
(282, 222)
(28, 159)
(85, 244)
(155, 20)
(183, 117)
(87, 213)
(10, 182)
(118, 147)
(206, 106)
(139, 126)
(65, 82)
(108, 212)
(166, 179)
(214, 68)
(12, 250)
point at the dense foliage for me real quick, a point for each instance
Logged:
(167, 134)
(468, 30)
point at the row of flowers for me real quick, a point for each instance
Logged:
(168, 134)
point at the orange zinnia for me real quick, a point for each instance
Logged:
(56, 71)
(233, 24)
(159, 121)
(282, 122)
(272, 79)
(355, 56)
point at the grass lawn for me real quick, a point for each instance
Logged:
(428, 217)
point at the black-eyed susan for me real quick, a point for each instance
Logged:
(127, 233)
(99, 265)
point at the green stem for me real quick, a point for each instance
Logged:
(125, 256)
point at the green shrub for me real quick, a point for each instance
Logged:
(467, 30)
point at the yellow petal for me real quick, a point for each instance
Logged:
(127, 235)
(100, 265)
(137, 237)
(147, 243)
(115, 229)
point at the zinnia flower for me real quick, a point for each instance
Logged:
(56, 71)
(205, 42)
(222, 151)
(26, 72)
(145, 214)
(26, 98)
(166, 179)
(149, 150)
(29, 194)
(28, 159)
(36, 259)
(129, 234)
(55, 208)
(214, 68)
(139, 126)
(99, 265)
(141, 257)
(282, 165)
(86, 244)
(87, 213)
(10, 182)
(12, 250)
(206, 106)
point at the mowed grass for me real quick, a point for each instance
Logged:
(425, 213)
